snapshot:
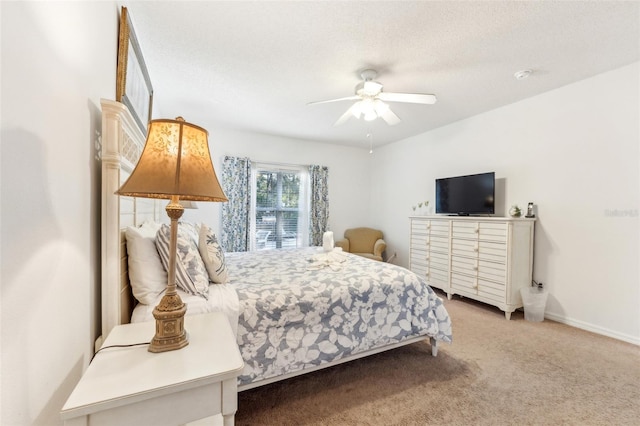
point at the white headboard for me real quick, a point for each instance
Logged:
(122, 144)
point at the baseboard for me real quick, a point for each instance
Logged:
(594, 329)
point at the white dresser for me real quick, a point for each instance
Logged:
(484, 258)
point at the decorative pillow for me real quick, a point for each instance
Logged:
(212, 255)
(191, 274)
(147, 276)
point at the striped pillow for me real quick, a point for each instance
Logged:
(191, 274)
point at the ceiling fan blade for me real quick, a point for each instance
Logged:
(385, 113)
(414, 98)
(344, 117)
(348, 98)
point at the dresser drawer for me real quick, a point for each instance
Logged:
(419, 269)
(438, 260)
(440, 244)
(439, 229)
(464, 247)
(463, 282)
(495, 252)
(419, 226)
(419, 244)
(438, 276)
(464, 229)
(488, 231)
(465, 265)
(418, 258)
(492, 290)
(492, 271)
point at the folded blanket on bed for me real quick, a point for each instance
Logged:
(328, 259)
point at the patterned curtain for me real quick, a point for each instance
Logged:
(236, 181)
(319, 209)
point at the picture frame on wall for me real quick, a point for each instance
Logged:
(133, 85)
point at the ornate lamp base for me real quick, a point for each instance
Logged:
(170, 332)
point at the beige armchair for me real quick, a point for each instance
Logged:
(365, 242)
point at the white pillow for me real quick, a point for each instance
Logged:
(147, 276)
(212, 255)
(191, 274)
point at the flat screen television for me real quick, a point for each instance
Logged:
(466, 195)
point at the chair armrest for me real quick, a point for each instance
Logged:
(379, 247)
(343, 243)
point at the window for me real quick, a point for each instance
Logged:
(279, 207)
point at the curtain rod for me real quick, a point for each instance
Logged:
(275, 163)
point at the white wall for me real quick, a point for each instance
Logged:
(349, 173)
(58, 60)
(574, 152)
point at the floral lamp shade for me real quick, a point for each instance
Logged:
(175, 161)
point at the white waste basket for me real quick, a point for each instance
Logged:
(534, 300)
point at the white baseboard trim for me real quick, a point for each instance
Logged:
(592, 328)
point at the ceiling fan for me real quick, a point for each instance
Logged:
(371, 101)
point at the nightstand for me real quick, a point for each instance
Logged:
(132, 386)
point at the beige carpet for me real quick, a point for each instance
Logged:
(496, 372)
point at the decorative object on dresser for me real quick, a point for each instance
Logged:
(515, 211)
(175, 164)
(484, 258)
(530, 212)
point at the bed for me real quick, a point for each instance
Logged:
(294, 310)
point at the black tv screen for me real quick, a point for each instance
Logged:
(465, 195)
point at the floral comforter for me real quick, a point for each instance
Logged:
(299, 308)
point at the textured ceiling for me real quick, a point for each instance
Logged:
(255, 65)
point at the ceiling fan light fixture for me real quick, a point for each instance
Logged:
(368, 88)
(380, 107)
(371, 101)
(370, 115)
(369, 109)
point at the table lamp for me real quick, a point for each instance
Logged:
(175, 164)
